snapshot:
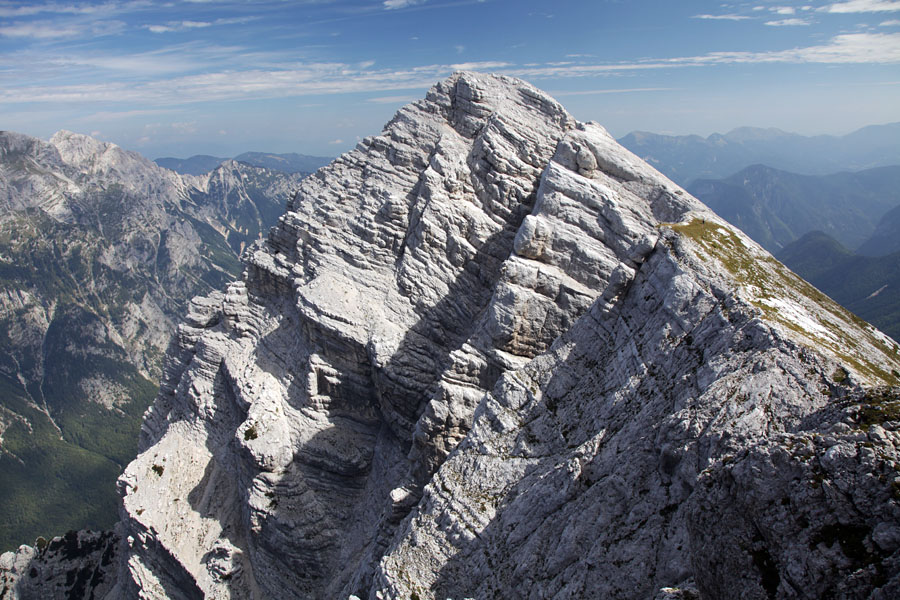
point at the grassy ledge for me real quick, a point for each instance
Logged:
(805, 314)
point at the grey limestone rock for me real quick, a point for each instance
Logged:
(488, 350)
(491, 353)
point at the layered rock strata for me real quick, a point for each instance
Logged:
(490, 353)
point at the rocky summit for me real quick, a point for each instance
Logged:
(490, 353)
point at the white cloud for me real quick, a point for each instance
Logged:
(862, 6)
(787, 23)
(160, 89)
(484, 65)
(40, 31)
(783, 10)
(27, 9)
(395, 4)
(721, 17)
(186, 25)
(337, 141)
(855, 48)
(45, 30)
(850, 48)
(891, 23)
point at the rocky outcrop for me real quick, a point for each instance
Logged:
(100, 253)
(812, 513)
(489, 349)
(79, 564)
(489, 353)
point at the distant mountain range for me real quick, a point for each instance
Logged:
(288, 163)
(776, 207)
(686, 158)
(868, 286)
(811, 223)
(101, 251)
(886, 237)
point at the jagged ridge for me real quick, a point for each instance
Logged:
(491, 350)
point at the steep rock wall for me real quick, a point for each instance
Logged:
(487, 352)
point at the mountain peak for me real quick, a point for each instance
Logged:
(491, 348)
(746, 134)
(87, 153)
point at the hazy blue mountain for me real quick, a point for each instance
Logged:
(868, 286)
(686, 158)
(198, 164)
(886, 237)
(100, 253)
(776, 207)
(201, 164)
(289, 163)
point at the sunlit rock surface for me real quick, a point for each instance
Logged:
(491, 353)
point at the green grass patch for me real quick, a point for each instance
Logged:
(771, 280)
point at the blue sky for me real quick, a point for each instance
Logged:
(313, 76)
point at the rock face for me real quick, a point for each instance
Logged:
(490, 353)
(78, 565)
(100, 253)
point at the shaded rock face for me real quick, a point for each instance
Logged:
(77, 565)
(807, 514)
(487, 352)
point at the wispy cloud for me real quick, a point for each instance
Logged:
(40, 31)
(27, 9)
(395, 4)
(862, 6)
(722, 17)
(851, 48)
(788, 23)
(484, 65)
(326, 78)
(47, 30)
(172, 26)
(783, 10)
(855, 48)
(177, 26)
(891, 23)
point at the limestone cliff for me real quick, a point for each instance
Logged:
(491, 353)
